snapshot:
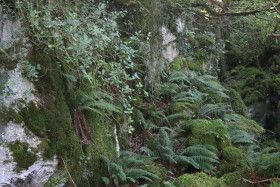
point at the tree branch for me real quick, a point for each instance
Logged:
(275, 35)
(214, 13)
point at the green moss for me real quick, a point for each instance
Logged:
(22, 156)
(179, 63)
(195, 65)
(212, 132)
(176, 66)
(231, 160)
(9, 114)
(234, 179)
(232, 155)
(253, 83)
(225, 167)
(105, 144)
(253, 97)
(198, 179)
(236, 102)
(53, 121)
(158, 170)
(205, 40)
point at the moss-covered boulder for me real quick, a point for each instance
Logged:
(212, 132)
(198, 179)
(234, 178)
(231, 159)
(232, 154)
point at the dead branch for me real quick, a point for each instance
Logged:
(275, 35)
(68, 173)
(252, 182)
(214, 13)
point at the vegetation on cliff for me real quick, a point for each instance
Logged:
(104, 84)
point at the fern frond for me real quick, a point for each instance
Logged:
(240, 136)
(104, 105)
(94, 110)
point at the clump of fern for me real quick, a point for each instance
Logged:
(173, 152)
(264, 162)
(128, 168)
(195, 88)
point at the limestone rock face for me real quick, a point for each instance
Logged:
(15, 93)
(14, 97)
(170, 51)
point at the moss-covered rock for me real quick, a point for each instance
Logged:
(232, 155)
(198, 179)
(212, 132)
(234, 178)
(22, 155)
(231, 159)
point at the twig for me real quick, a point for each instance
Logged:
(252, 182)
(275, 7)
(68, 173)
(275, 35)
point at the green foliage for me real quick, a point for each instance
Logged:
(241, 137)
(197, 179)
(22, 156)
(198, 48)
(94, 56)
(29, 71)
(264, 162)
(238, 122)
(56, 180)
(274, 184)
(95, 102)
(201, 157)
(252, 83)
(127, 169)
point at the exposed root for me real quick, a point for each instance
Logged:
(82, 127)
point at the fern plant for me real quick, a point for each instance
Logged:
(95, 101)
(264, 162)
(201, 157)
(127, 169)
